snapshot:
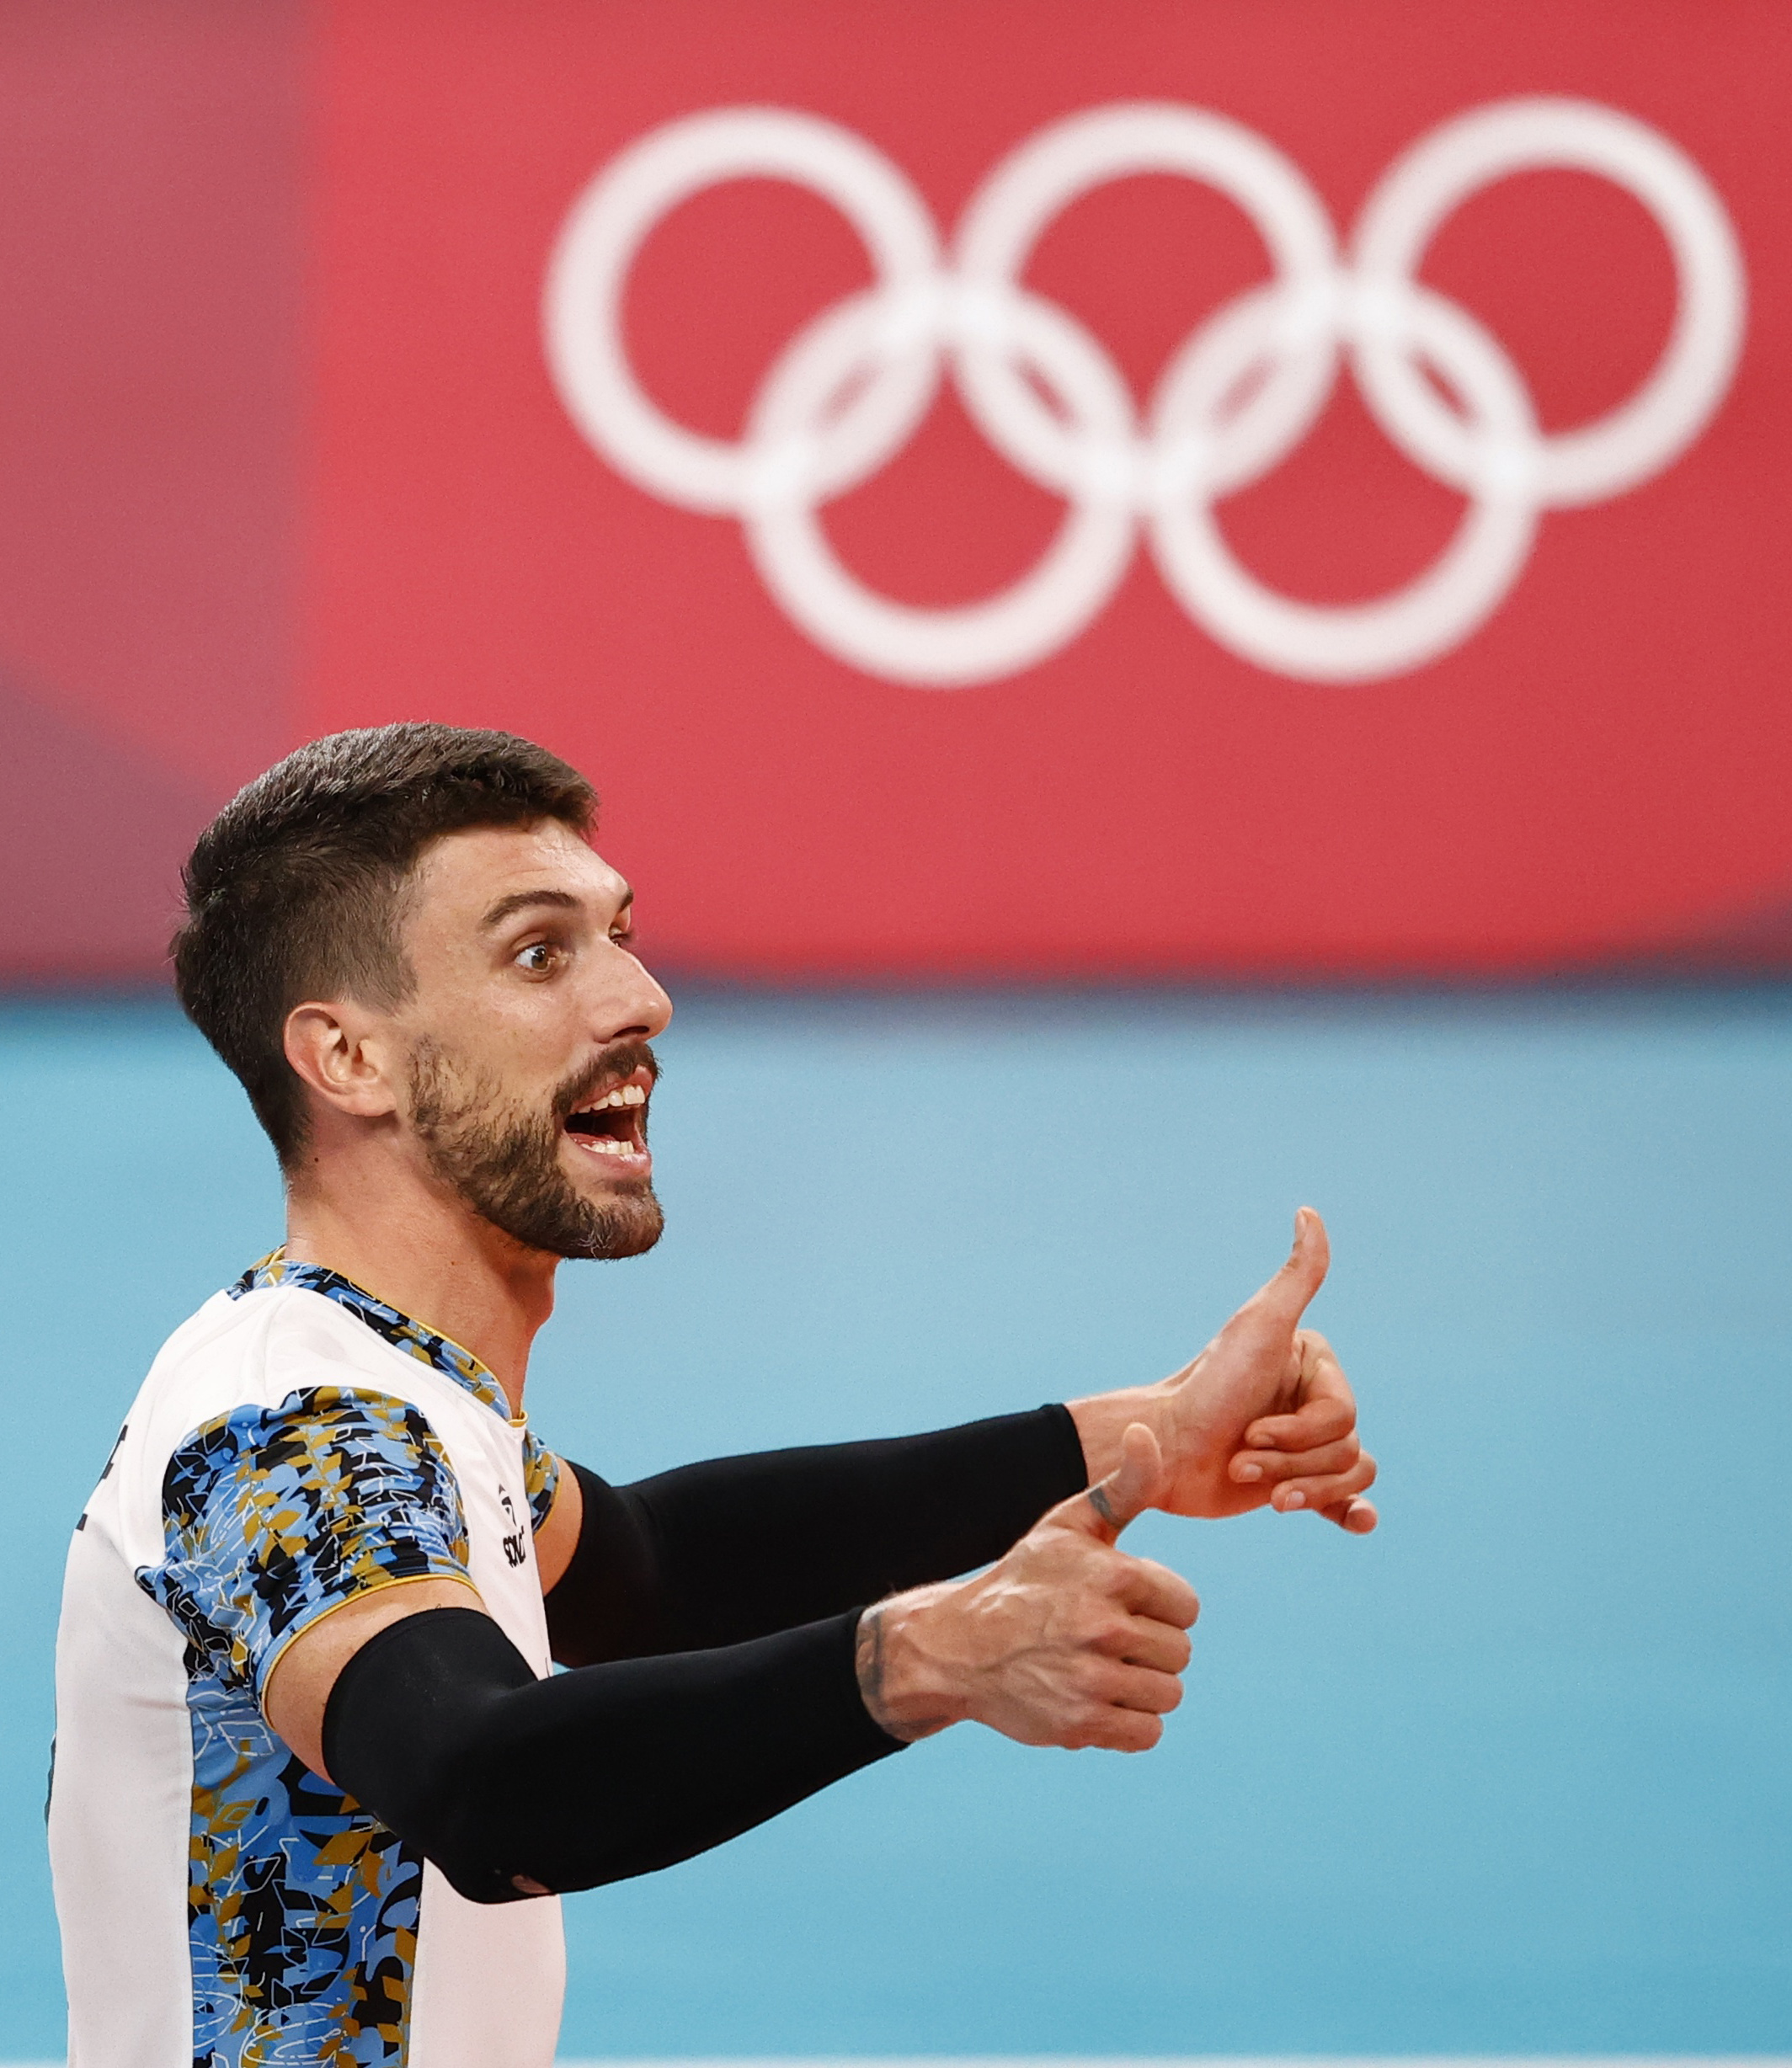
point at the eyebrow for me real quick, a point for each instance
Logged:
(559, 900)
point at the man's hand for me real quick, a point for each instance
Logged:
(1264, 1415)
(1066, 1641)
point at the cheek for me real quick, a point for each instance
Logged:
(501, 1024)
(476, 1073)
(535, 1052)
(521, 1039)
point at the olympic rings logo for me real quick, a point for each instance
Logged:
(1235, 399)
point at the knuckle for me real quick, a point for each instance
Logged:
(1103, 1681)
(1099, 1630)
(1091, 1725)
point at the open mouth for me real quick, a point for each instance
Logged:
(613, 1123)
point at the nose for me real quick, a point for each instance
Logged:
(631, 1006)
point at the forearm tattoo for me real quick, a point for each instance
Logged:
(870, 1659)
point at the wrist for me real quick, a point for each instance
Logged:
(1103, 1420)
(904, 1684)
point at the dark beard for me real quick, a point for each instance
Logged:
(506, 1164)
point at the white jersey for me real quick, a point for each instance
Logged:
(297, 1444)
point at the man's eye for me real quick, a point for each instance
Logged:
(623, 936)
(538, 958)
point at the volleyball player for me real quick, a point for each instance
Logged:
(318, 1787)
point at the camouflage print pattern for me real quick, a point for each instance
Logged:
(273, 1515)
(302, 1908)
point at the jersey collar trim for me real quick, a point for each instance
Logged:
(440, 1352)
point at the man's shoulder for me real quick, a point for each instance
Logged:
(254, 1357)
(256, 1347)
(252, 1339)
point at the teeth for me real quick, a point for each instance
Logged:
(605, 1145)
(624, 1095)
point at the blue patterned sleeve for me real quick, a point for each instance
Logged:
(541, 1478)
(273, 1515)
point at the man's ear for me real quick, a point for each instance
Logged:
(345, 1057)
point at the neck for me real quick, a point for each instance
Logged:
(425, 1252)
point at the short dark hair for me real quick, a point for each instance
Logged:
(294, 890)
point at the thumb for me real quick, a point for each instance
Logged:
(1289, 1293)
(1134, 1484)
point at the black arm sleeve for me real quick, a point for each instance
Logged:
(515, 1786)
(719, 1553)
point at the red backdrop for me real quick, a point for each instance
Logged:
(285, 453)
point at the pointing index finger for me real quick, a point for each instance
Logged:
(1148, 1589)
(1317, 1423)
(1327, 1409)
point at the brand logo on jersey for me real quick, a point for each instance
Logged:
(515, 1544)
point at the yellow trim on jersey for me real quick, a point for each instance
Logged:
(360, 1593)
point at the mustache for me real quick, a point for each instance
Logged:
(612, 1065)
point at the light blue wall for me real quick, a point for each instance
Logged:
(1511, 1776)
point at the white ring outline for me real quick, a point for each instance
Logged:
(1364, 642)
(951, 648)
(583, 300)
(1456, 161)
(1058, 165)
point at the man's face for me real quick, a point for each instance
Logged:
(527, 1031)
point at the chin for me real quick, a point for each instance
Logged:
(564, 1220)
(635, 1226)
(625, 1220)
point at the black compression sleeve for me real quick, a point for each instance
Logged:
(717, 1553)
(515, 1786)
